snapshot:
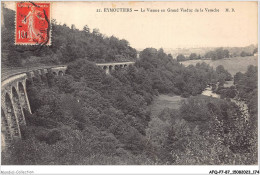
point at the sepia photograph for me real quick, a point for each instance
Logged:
(129, 83)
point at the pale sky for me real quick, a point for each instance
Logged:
(165, 29)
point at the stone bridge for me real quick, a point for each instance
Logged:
(108, 67)
(14, 96)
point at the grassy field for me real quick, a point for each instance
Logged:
(233, 65)
(165, 101)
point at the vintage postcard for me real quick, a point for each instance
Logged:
(129, 83)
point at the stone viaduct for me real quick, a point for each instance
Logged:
(15, 100)
(108, 67)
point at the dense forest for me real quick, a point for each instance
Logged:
(68, 44)
(88, 117)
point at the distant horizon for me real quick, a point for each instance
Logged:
(199, 47)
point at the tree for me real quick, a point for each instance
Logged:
(219, 53)
(193, 56)
(73, 27)
(180, 57)
(244, 54)
(223, 74)
(86, 29)
(226, 53)
(96, 32)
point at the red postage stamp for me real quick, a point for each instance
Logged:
(33, 23)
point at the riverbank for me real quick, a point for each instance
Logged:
(171, 101)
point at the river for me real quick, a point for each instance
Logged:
(163, 101)
(208, 92)
(241, 104)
